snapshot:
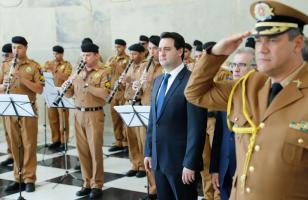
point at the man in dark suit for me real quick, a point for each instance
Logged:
(175, 134)
(223, 159)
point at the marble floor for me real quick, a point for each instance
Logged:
(55, 182)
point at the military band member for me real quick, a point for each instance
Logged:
(117, 64)
(144, 41)
(197, 55)
(58, 117)
(27, 80)
(135, 153)
(85, 41)
(195, 44)
(89, 90)
(147, 79)
(265, 107)
(188, 61)
(7, 55)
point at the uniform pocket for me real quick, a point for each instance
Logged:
(295, 148)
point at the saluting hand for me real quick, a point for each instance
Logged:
(188, 176)
(228, 45)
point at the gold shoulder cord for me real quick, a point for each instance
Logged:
(253, 129)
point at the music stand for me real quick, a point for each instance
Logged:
(51, 93)
(49, 83)
(134, 116)
(19, 106)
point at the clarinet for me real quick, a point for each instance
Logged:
(12, 70)
(137, 93)
(67, 84)
(118, 83)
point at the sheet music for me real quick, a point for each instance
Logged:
(129, 116)
(21, 103)
(49, 82)
(51, 92)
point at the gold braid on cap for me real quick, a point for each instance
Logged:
(253, 129)
(277, 27)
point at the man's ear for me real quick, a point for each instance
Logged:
(181, 52)
(299, 42)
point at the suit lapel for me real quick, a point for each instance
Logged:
(172, 89)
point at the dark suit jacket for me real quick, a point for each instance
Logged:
(175, 139)
(223, 149)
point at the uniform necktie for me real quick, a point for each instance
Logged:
(276, 87)
(162, 93)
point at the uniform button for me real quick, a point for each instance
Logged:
(262, 125)
(300, 141)
(236, 119)
(251, 168)
(248, 190)
(257, 148)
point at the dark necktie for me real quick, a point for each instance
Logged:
(276, 87)
(162, 92)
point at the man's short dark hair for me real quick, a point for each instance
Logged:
(179, 41)
(293, 33)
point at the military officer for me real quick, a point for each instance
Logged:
(188, 61)
(195, 44)
(135, 153)
(27, 80)
(145, 84)
(58, 117)
(144, 41)
(89, 89)
(117, 64)
(264, 108)
(8, 56)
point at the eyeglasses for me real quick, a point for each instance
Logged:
(241, 65)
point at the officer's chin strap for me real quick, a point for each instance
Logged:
(253, 129)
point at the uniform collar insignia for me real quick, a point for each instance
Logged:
(298, 83)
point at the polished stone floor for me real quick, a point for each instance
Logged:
(55, 182)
